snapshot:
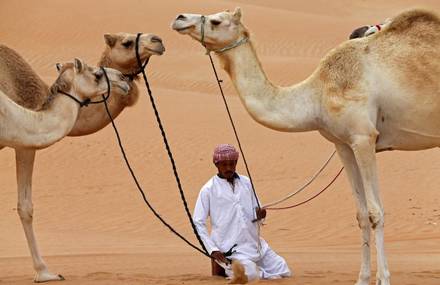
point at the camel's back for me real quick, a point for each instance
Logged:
(19, 81)
(407, 52)
(413, 23)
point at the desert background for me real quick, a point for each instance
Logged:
(91, 224)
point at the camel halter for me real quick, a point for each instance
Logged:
(226, 48)
(268, 206)
(131, 76)
(88, 101)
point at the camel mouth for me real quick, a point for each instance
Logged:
(178, 28)
(182, 29)
(157, 51)
(123, 87)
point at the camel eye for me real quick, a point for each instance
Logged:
(127, 44)
(215, 22)
(98, 76)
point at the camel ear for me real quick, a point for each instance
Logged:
(237, 15)
(78, 65)
(110, 40)
(59, 66)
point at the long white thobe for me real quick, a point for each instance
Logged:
(232, 209)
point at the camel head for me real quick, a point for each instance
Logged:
(86, 82)
(121, 50)
(216, 31)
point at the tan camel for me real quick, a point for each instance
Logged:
(27, 130)
(367, 95)
(28, 90)
(119, 54)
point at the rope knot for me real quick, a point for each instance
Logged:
(85, 103)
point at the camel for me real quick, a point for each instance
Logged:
(119, 54)
(367, 95)
(27, 130)
(29, 91)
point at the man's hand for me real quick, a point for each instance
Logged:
(261, 213)
(217, 255)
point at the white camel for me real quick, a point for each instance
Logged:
(26, 130)
(367, 95)
(25, 87)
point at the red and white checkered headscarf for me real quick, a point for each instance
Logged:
(224, 152)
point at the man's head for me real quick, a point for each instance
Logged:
(225, 159)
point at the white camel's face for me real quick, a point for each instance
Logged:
(89, 82)
(123, 48)
(220, 30)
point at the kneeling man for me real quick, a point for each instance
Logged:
(228, 199)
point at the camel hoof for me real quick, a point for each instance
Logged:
(239, 276)
(384, 281)
(46, 277)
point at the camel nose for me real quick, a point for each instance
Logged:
(156, 39)
(181, 17)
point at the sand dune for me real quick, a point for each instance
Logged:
(90, 222)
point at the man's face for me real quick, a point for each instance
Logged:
(226, 168)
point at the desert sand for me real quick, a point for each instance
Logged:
(90, 221)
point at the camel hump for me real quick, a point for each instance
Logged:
(19, 81)
(412, 18)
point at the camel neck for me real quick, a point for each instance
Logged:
(27, 128)
(289, 109)
(95, 117)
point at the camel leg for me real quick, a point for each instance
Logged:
(25, 163)
(365, 153)
(352, 170)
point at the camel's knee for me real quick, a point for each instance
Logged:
(363, 220)
(376, 218)
(25, 211)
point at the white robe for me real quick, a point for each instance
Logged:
(232, 209)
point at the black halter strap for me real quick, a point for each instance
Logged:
(131, 76)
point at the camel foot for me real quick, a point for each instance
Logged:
(45, 276)
(362, 282)
(239, 276)
(383, 281)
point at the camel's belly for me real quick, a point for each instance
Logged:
(404, 133)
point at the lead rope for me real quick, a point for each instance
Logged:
(202, 31)
(239, 146)
(165, 140)
(311, 198)
(311, 179)
(208, 52)
(138, 186)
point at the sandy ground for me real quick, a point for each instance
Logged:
(90, 222)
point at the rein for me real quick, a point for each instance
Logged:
(138, 186)
(219, 81)
(88, 101)
(170, 154)
(208, 52)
